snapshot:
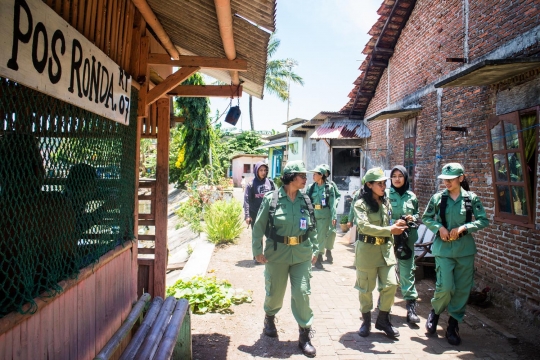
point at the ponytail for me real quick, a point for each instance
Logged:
(465, 184)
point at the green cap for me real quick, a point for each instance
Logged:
(327, 168)
(319, 169)
(375, 174)
(296, 166)
(451, 171)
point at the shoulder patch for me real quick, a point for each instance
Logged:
(430, 208)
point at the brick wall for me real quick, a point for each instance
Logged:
(508, 254)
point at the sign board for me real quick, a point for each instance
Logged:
(42, 51)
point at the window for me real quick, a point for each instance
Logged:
(513, 140)
(247, 168)
(409, 131)
(313, 146)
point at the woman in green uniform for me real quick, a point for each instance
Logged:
(374, 253)
(323, 198)
(405, 203)
(290, 250)
(449, 216)
(331, 239)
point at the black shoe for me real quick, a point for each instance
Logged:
(452, 332)
(329, 258)
(411, 312)
(432, 321)
(383, 323)
(304, 341)
(270, 326)
(365, 328)
(318, 264)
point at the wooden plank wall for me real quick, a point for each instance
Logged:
(109, 24)
(79, 322)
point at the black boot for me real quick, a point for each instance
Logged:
(432, 321)
(452, 332)
(365, 328)
(411, 312)
(383, 323)
(318, 264)
(329, 258)
(270, 326)
(304, 341)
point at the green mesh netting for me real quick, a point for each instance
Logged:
(67, 187)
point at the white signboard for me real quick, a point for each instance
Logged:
(42, 51)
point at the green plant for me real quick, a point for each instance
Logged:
(190, 211)
(207, 294)
(277, 181)
(223, 223)
(344, 219)
(189, 249)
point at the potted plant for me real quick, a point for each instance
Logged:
(343, 223)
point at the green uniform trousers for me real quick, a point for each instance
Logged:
(365, 283)
(455, 277)
(276, 276)
(323, 230)
(406, 275)
(331, 239)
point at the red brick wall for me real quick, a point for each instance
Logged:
(508, 255)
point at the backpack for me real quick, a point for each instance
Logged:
(270, 232)
(468, 209)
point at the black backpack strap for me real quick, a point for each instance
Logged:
(310, 211)
(270, 228)
(468, 208)
(310, 191)
(442, 209)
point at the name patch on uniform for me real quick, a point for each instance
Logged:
(303, 224)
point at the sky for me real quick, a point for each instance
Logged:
(326, 37)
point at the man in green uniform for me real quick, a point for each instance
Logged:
(449, 215)
(331, 238)
(374, 253)
(290, 250)
(323, 197)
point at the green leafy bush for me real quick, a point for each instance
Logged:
(344, 219)
(222, 220)
(207, 294)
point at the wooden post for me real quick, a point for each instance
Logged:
(162, 186)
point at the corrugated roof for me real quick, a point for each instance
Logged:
(385, 33)
(342, 129)
(193, 29)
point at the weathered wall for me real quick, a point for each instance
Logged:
(439, 29)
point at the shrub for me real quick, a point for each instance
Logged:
(223, 223)
(206, 294)
(344, 219)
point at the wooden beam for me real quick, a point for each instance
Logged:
(200, 61)
(178, 119)
(170, 83)
(207, 91)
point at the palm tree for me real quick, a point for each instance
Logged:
(278, 76)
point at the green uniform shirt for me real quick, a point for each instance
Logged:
(373, 224)
(287, 223)
(316, 195)
(455, 217)
(406, 204)
(355, 196)
(338, 194)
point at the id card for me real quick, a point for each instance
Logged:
(323, 201)
(303, 224)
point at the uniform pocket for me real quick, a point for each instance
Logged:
(267, 283)
(280, 216)
(362, 281)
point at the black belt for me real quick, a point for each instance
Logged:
(375, 240)
(289, 240)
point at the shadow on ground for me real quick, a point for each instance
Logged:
(271, 348)
(352, 340)
(210, 346)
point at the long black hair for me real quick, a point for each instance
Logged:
(465, 184)
(367, 194)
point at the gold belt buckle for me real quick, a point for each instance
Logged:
(293, 240)
(379, 240)
(318, 206)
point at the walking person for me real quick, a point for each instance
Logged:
(449, 216)
(323, 198)
(254, 193)
(331, 238)
(374, 253)
(286, 218)
(404, 203)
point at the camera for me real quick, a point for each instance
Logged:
(400, 241)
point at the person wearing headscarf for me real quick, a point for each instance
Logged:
(449, 215)
(374, 254)
(331, 238)
(404, 203)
